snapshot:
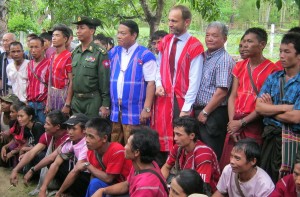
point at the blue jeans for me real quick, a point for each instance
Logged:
(94, 185)
(39, 108)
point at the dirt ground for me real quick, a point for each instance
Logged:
(6, 191)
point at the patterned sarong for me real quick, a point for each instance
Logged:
(56, 98)
(290, 146)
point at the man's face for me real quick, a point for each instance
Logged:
(76, 133)
(36, 49)
(68, 44)
(84, 33)
(58, 39)
(16, 53)
(129, 153)
(50, 128)
(214, 39)
(288, 56)
(177, 24)
(176, 190)
(6, 40)
(155, 44)
(296, 176)
(93, 140)
(252, 46)
(47, 43)
(124, 37)
(238, 161)
(181, 138)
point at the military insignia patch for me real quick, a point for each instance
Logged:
(105, 63)
(90, 59)
(79, 18)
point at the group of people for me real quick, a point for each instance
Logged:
(139, 117)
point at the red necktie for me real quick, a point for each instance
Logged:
(172, 57)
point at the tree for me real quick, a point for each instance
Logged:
(3, 19)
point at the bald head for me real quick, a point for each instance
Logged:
(7, 39)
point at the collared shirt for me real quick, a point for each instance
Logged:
(291, 95)
(18, 79)
(149, 68)
(37, 78)
(195, 73)
(217, 70)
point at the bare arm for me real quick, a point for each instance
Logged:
(268, 109)
(165, 170)
(107, 178)
(25, 160)
(116, 189)
(50, 174)
(69, 94)
(150, 91)
(218, 194)
(70, 177)
(232, 97)
(292, 117)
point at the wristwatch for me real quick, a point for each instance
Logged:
(86, 164)
(147, 109)
(67, 105)
(107, 108)
(205, 114)
(32, 169)
(244, 123)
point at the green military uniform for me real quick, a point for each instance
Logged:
(90, 69)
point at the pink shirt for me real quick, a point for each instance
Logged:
(258, 186)
(79, 149)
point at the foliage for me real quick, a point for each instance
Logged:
(19, 22)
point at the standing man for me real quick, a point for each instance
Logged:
(49, 49)
(90, 68)
(279, 103)
(38, 75)
(133, 69)
(178, 77)
(156, 40)
(60, 90)
(5, 59)
(211, 103)
(17, 71)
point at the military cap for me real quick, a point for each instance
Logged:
(10, 98)
(88, 21)
(77, 118)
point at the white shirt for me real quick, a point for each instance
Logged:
(18, 79)
(149, 68)
(195, 73)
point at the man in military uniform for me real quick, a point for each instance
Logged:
(90, 68)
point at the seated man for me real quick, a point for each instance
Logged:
(144, 178)
(289, 186)
(72, 153)
(190, 153)
(54, 136)
(242, 177)
(107, 163)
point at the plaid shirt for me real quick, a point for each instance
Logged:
(291, 95)
(217, 68)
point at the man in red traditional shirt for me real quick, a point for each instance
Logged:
(191, 153)
(38, 75)
(60, 90)
(178, 78)
(106, 160)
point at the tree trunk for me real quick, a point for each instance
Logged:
(267, 16)
(3, 18)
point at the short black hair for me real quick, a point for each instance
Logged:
(294, 29)
(39, 39)
(63, 29)
(46, 36)
(57, 118)
(133, 26)
(110, 41)
(32, 35)
(28, 110)
(17, 105)
(260, 33)
(145, 140)
(102, 38)
(16, 43)
(251, 149)
(292, 38)
(190, 181)
(189, 124)
(101, 125)
(158, 34)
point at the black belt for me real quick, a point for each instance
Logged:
(87, 95)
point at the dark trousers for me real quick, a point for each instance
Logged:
(213, 132)
(80, 185)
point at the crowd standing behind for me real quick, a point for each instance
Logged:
(78, 119)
